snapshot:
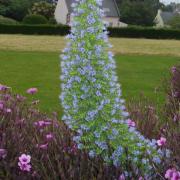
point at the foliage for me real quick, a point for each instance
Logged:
(52, 21)
(35, 19)
(171, 111)
(17, 9)
(91, 98)
(43, 8)
(167, 124)
(175, 22)
(24, 130)
(34, 29)
(139, 12)
(130, 32)
(5, 20)
(54, 155)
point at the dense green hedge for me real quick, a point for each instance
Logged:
(132, 32)
(150, 33)
(34, 29)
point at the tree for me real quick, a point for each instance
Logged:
(18, 9)
(91, 96)
(43, 8)
(175, 22)
(139, 12)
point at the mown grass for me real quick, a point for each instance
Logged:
(137, 74)
(121, 45)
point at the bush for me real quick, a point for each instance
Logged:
(35, 19)
(5, 20)
(43, 8)
(175, 22)
(162, 121)
(17, 9)
(129, 32)
(54, 155)
(52, 21)
(34, 29)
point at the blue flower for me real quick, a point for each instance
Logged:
(92, 154)
(98, 93)
(90, 19)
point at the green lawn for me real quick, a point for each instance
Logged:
(137, 73)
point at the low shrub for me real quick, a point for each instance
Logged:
(52, 21)
(34, 29)
(35, 146)
(35, 19)
(5, 20)
(47, 147)
(43, 8)
(167, 124)
(129, 32)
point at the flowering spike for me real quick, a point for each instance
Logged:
(91, 94)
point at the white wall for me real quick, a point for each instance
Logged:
(61, 12)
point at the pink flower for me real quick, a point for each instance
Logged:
(121, 177)
(161, 141)
(175, 176)
(24, 167)
(49, 136)
(43, 146)
(3, 87)
(173, 69)
(131, 123)
(172, 174)
(24, 162)
(175, 119)
(42, 123)
(3, 153)
(1, 106)
(25, 159)
(32, 91)
(169, 173)
(8, 110)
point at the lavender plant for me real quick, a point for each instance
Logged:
(91, 96)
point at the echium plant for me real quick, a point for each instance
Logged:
(91, 96)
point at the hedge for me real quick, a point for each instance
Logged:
(130, 32)
(34, 29)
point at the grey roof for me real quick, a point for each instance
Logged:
(110, 7)
(167, 16)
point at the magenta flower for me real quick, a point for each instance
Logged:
(24, 162)
(172, 174)
(121, 177)
(32, 91)
(1, 106)
(131, 123)
(3, 153)
(3, 87)
(49, 136)
(43, 146)
(8, 110)
(175, 119)
(161, 141)
(173, 69)
(25, 159)
(24, 167)
(169, 174)
(176, 175)
(42, 124)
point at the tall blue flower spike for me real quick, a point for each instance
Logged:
(91, 96)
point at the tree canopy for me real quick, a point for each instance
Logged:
(138, 12)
